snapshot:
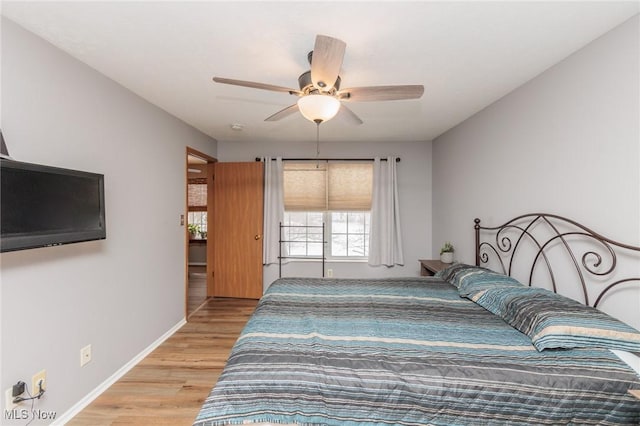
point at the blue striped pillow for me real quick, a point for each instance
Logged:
(555, 321)
(473, 279)
(454, 273)
(471, 284)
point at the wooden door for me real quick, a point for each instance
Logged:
(238, 205)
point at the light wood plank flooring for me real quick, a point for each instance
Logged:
(170, 384)
(197, 292)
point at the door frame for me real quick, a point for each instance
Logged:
(210, 160)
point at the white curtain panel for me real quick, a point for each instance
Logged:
(273, 209)
(385, 240)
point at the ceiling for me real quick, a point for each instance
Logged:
(466, 54)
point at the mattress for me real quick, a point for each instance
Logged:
(408, 352)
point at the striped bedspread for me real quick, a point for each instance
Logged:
(408, 352)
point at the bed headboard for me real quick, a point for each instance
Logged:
(546, 245)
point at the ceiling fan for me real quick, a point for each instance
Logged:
(320, 95)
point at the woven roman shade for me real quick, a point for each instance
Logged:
(197, 195)
(339, 186)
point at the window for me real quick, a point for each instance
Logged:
(346, 233)
(197, 201)
(337, 194)
(200, 220)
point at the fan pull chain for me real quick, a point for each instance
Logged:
(318, 144)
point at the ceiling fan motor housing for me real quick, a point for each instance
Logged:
(304, 82)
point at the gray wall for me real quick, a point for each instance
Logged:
(414, 187)
(567, 142)
(120, 294)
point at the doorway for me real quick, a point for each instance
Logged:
(199, 197)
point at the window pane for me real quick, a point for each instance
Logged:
(339, 245)
(203, 221)
(296, 218)
(316, 237)
(298, 237)
(315, 218)
(297, 249)
(356, 223)
(366, 245)
(355, 245)
(199, 219)
(314, 249)
(298, 230)
(338, 223)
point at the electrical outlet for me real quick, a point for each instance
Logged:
(329, 273)
(35, 381)
(85, 355)
(8, 400)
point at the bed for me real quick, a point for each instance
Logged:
(455, 349)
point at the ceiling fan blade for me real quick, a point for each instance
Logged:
(349, 115)
(381, 93)
(255, 85)
(283, 113)
(326, 61)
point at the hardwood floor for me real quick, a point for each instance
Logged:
(170, 384)
(197, 292)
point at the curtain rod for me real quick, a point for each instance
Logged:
(329, 159)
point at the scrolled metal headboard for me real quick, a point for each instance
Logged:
(593, 257)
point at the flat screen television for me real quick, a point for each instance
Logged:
(43, 206)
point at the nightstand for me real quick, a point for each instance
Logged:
(428, 267)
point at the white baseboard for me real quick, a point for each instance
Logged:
(80, 405)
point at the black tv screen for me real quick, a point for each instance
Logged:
(44, 206)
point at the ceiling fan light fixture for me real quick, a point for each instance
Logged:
(320, 95)
(318, 108)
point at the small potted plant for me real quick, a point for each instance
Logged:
(446, 253)
(193, 230)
